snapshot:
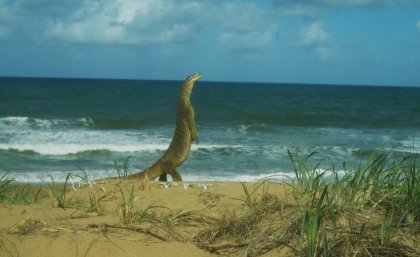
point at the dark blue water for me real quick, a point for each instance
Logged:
(57, 126)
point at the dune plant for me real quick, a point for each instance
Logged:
(94, 197)
(410, 190)
(367, 181)
(126, 209)
(148, 214)
(250, 194)
(379, 185)
(125, 169)
(365, 211)
(24, 194)
(309, 178)
(4, 182)
(313, 232)
(17, 193)
(57, 192)
(94, 202)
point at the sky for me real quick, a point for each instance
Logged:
(361, 42)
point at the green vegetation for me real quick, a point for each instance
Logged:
(372, 210)
(251, 199)
(57, 192)
(126, 209)
(94, 197)
(23, 194)
(125, 170)
(4, 182)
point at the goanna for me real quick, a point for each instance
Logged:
(185, 133)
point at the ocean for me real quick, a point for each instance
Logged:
(51, 127)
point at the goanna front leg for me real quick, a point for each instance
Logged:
(191, 126)
(194, 135)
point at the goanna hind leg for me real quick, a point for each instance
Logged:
(163, 177)
(170, 168)
(176, 177)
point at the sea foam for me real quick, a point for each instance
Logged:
(66, 149)
(28, 122)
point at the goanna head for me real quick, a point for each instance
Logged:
(189, 83)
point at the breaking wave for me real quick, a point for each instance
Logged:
(83, 122)
(101, 149)
(28, 122)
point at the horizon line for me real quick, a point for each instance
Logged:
(216, 81)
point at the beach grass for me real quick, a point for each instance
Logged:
(372, 209)
(23, 194)
(57, 192)
(4, 181)
(363, 212)
(126, 209)
(125, 169)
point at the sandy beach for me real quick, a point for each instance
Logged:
(43, 229)
(132, 218)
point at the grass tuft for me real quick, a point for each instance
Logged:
(24, 194)
(363, 212)
(125, 170)
(57, 192)
(371, 210)
(4, 182)
(126, 209)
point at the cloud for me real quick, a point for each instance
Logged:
(4, 32)
(6, 20)
(239, 25)
(5, 13)
(25, 20)
(46, 8)
(242, 26)
(314, 36)
(324, 52)
(312, 9)
(249, 41)
(126, 22)
(247, 28)
(301, 10)
(354, 3)
(338, 3)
